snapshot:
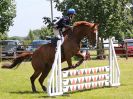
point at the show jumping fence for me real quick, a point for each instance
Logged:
(88, 78)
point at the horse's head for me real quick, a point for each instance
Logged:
(86, 29)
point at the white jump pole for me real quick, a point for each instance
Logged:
(55, 86)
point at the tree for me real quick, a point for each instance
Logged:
(44, 32)
(129, 7)
(7, 13)
(39, 33)
(31, 35)
(3, 36)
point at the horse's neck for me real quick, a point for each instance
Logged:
(77, 38)
(72, 35)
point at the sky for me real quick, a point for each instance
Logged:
(29, 16)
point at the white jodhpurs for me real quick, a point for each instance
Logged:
(57, 34)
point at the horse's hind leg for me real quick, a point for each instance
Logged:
(32, 78)
(45, 72)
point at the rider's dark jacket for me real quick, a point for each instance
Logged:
(63, 22)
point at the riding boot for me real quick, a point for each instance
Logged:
(54, 40)
(57, 38)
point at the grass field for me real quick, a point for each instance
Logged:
(15, 83)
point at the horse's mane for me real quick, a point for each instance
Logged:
(83, 23)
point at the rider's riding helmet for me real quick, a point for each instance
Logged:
(71, 11)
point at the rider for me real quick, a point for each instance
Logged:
(64, 23)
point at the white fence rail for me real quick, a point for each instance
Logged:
(57, 85)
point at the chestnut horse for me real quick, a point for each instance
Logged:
(43, 57)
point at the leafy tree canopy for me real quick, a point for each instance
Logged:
(39, 33)
(7, 13)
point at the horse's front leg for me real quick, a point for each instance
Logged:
(69, 62)
(79, 54)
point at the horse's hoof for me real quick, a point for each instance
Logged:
(73, 67)
(44, 88)
(34, 91)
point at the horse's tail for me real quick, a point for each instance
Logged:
(18, 60)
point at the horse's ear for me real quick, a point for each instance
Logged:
(95, 24)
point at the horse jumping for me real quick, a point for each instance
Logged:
(43, 57)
